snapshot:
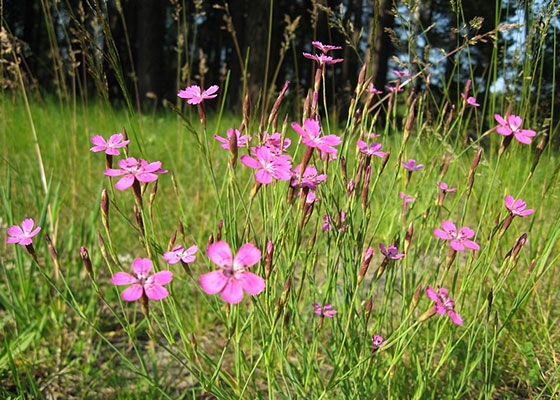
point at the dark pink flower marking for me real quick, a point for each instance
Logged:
(133, 169)
(143, 282)
(194, 95)
(444, 304)
(232, 278)
(110, 146)
(326, 311)
(179, 253)
(268, 165)
(517, 207)
(512, 127)
(459, 240)
(390, 252)
(22, 235)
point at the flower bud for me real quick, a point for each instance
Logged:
(104, 205)
(87, 262)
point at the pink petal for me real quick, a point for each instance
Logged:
(38, 229)
(12, 240)
(125, 182)
(449, 226)
(441, 234)
(466, 232)
(146, 177)
(522, 139)
(527, 132)
(98, 141)
(213, 282)
(509, 201)
(514, 121)
(25, 241)
(440, 309)
(471, 245)
(112, 152)
(527, 212)
(500, 120)
(114, 139)
(171, 257)
(155, 292)
(142, 266)
(457, 245)
(193, 249)
(232, 292)
(331, 140)
(504, 131)
(455, 317)
(432, 294)
(250, 162)
(96, 149)
(160, 278)
(15, 230)
(114, 172)
(132, 293)
(27, 225)
(246, 256)
(263, 176)
(220, 253)
(152, 167)
(211, 90)
(253, 284)
(123, 278)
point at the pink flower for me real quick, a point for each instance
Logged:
(269, 165)
(143, 282)
(401, 74)
(180, 254)
(241, 139)
(325, 47)
(406, 199)
(459, 240)
(232, 279)
(22, 235)
(444, 304)
(310, 179)
(394, 89)
(517, 207)
(377, 341)
(325, 311)
(411, 165)
(390, 252)
(275, 143)
(109, 147)
(311, 136)
(195, 96)
(322, 59)
(328, 221)
(373, 150)
(471, 101)
(445, 188)
(373, 90)
(133, 169)
(512, 126)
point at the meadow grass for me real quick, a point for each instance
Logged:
(67, 332)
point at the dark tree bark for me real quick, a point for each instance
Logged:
(380, 45)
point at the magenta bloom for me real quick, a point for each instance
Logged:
(195, 96)
(329, 221)
(325, 48)
(390, 252)
(401, 74)
(311, 136)
(269, 165)
(411, 165)
(373, 90)
(459, 240)
(274, 142)
(22, 235)
(325, 311)
(394, 89)
(512, 126)
(377, 341)
(180, 254)
(445, 188)
(241, 139)
(310, 179)
(133, 169)
(323, 59)
(471, 101)
(233, 278)
(444, 304)
(517, 207)
(143, 282)
(406, 198)
(373, 150)
(109, 147)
